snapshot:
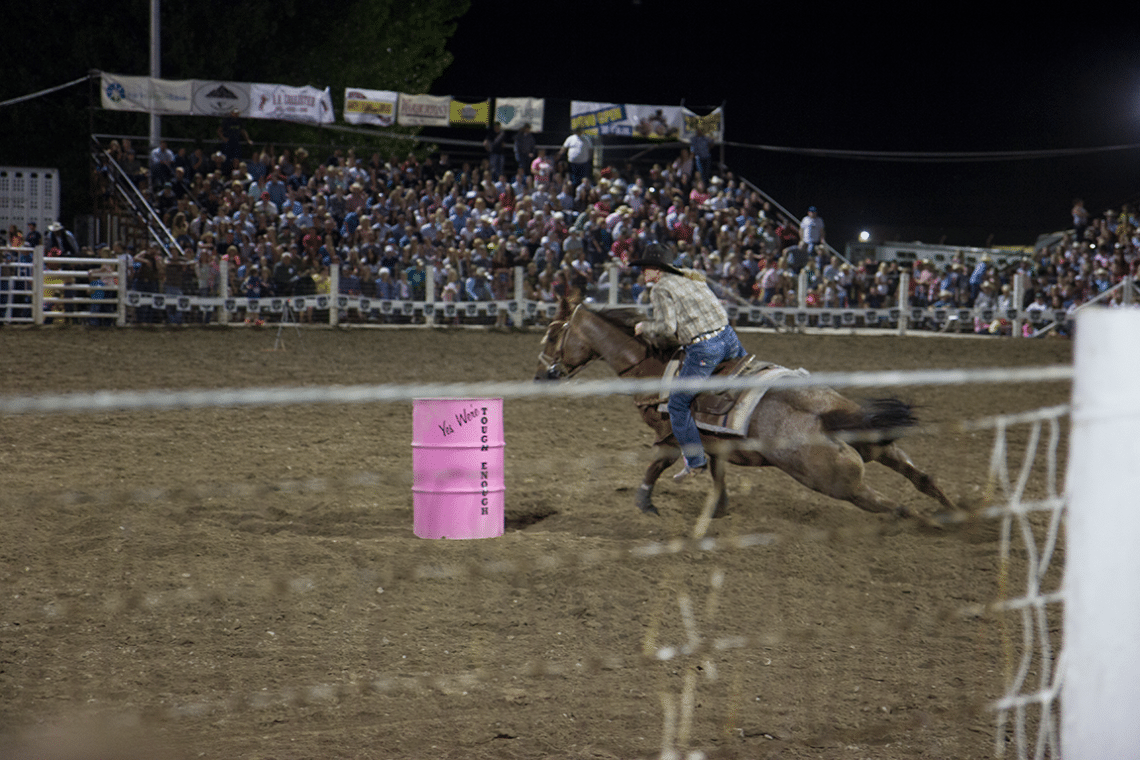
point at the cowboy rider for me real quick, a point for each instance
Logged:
(686, 310)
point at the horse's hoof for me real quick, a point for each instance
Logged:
(954, 517)
(644, 500)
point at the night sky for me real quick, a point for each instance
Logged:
(798, 78)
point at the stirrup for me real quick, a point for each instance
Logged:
(691, 472)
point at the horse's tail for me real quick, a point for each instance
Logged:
(879, 420)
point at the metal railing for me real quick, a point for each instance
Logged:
(135, 202)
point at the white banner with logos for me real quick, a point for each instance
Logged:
(220, 98)
(199, 97)
(655, 122)
(513, 113)
(424, 111)
(279, 101)
(627, 119)
(163, 96)
(370, 106)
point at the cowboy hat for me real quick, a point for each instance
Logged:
(657, 256)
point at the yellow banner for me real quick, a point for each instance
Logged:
(471, 114)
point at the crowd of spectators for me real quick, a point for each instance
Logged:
(283, 219)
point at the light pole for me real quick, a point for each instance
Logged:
(155, 71)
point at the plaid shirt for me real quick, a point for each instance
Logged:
(684, 308)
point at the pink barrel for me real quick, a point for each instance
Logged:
(457, 467)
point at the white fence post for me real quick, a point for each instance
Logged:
(1018, 300)
(904, 298)
(121, 293)
(520, 296)
(224, 290)
(38, 285)
(334, 294)
(1100, 694)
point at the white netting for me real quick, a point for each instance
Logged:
(691, 629)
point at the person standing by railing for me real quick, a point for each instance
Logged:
(812, 229)
(175, 271)
(208, 273)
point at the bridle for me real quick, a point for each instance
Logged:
(556, 369)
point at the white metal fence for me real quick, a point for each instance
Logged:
(35, 289)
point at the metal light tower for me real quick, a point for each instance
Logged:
(155, 70)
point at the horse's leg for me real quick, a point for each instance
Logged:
(895, 458)
(836, 469)
(666, 456)
(718, 465)
(865, 497)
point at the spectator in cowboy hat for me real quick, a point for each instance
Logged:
(477, 287)
(60, 238)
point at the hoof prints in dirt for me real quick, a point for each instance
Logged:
(524, 517)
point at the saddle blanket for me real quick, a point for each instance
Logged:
(727, 412)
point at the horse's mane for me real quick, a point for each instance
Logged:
(625, 318)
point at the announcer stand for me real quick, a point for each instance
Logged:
(74, 274)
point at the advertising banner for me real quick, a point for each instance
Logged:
(512, 113)
(627, 119)
(712, 124)
(596, 118)
(279, 101)
(370, 106)
(122, 93)
(220, 98)
(655, 122)
(424, 111)
(471, 114)
(197, 97)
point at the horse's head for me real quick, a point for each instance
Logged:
(564, 351)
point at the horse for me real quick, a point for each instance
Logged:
(814, 434)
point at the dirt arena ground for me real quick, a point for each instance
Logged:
(245, 583)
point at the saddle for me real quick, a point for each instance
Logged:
(727, 412)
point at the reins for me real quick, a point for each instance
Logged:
(555, 364)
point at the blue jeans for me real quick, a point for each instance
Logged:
(579, 172)
(173, 313)
(704, 166)
(497, 165)
(700, 361)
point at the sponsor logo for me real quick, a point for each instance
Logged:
(220, 98)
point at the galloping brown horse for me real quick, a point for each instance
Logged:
(799, 430)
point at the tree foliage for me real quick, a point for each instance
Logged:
(376, 44)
